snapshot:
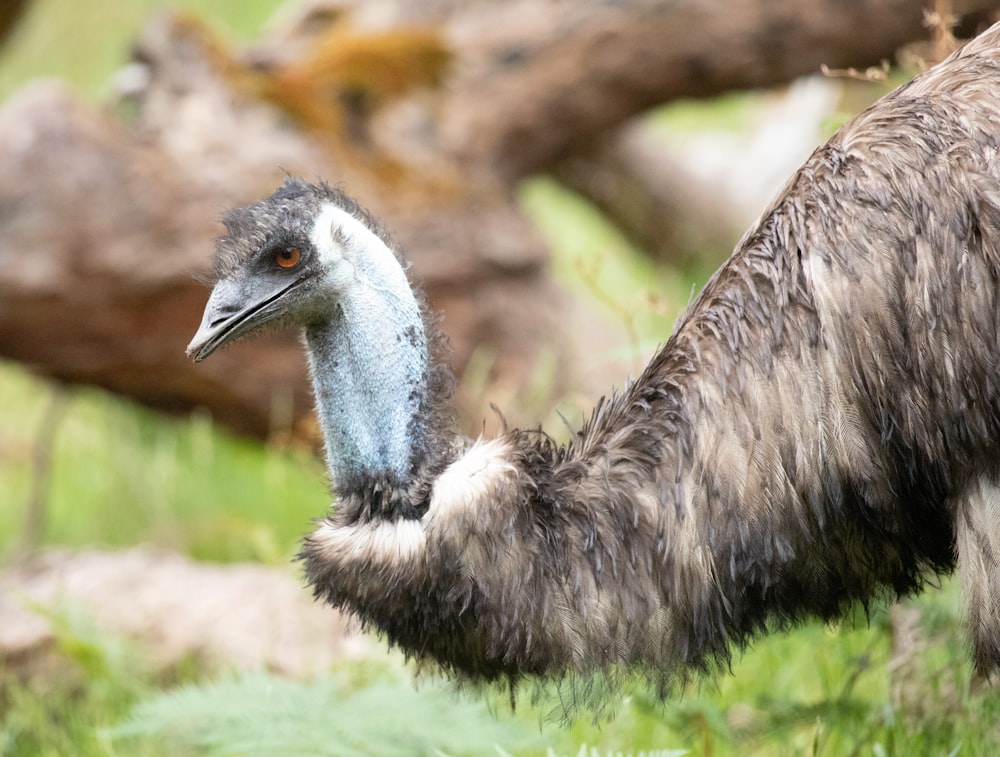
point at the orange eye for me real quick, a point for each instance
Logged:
(288, 257)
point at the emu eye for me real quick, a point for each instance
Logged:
(288, 257)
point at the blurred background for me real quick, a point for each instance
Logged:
(563, 175)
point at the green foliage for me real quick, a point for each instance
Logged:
(350, 712)
(121, 474)
(821, 690)
(727, 112)
(102, 679)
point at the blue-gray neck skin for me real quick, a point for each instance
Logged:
(368, 355)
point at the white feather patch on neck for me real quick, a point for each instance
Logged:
(341, 238)
(467, 485)
(473, 480)
(378, 544)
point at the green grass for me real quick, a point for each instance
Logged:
(120, 474)
(104, 679)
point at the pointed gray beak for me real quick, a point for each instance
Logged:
(235, 309)
(222, 313)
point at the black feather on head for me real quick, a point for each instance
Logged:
(289, 211)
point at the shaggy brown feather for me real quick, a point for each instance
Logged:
(820, 429)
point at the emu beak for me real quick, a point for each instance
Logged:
(234, 309)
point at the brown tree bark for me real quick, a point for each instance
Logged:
(541, 81)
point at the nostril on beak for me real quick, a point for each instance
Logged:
(223, 314)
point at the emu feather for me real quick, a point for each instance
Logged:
(822, 428)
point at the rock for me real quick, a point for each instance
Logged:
(172, 608)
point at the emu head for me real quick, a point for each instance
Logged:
(293, 259)
(308, 256)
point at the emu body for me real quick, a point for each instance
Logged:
(822, 427)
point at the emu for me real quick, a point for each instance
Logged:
(821, 429)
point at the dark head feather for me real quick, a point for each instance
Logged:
(288, 212)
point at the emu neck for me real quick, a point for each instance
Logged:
(369, 369)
